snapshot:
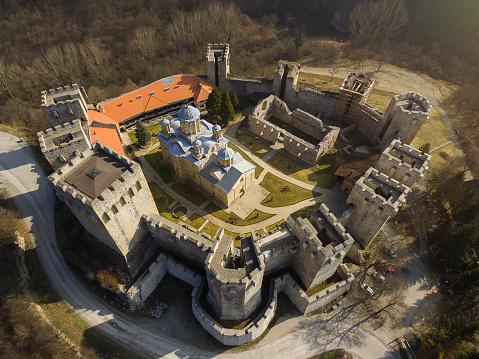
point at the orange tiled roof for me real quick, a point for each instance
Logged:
(106, 135)
(156, 95)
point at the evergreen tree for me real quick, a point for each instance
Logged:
(213, 104)
(234, 100)
(142, 134)
(227, 112)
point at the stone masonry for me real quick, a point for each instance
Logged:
(218, 64)
(65, 104)
(108, 194)
(60, 144)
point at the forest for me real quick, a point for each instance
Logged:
(111, 47)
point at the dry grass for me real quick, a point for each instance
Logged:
(255, 146)
(283, 193)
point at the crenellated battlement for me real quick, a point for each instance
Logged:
(382, 187)
(222, 49)
(412, 102)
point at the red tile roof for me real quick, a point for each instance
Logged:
(356, 165)
(156, 95)
(103, 129)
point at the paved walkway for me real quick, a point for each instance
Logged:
(333, 198)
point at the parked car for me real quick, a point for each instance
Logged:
(379, 277)
(368, 289)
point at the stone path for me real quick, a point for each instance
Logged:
(440, 146)
(332, 197)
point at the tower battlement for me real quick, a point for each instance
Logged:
(65, 104)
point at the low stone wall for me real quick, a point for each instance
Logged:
(311, 100)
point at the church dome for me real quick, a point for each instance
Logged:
(188, 113)
(165, 122)
(216, 128)
(226, 154)
(197, 143)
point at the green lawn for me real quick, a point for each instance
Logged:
(275, 225)
(162, 201)
(283, 193)
(380, 99)
(322, 175)
(320, 82)
(255, 216)
(255, 146)
(210, 229)
(187, 191)
(258, 169)
(305, 212)
(280, 123)
(236, 238)
(154, 157)
(154, 130)
(195, 221)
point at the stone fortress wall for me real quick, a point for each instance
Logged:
(65, 104)
(114, 217)
(309, 153)
(59, 144)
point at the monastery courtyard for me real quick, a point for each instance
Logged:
(258, 210)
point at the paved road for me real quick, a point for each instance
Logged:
(294, 338)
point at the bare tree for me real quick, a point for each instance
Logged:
(376, 23)
(333, 71)
(5, 77)
(97, 60)
(148, 43)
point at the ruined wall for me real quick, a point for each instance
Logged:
(248, 86)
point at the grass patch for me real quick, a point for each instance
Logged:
(162, 201)
(434, 131)
(154, 157)
(322, 175)
(153, 129)
(258, 169)
(254, 217)
(187, 192)
(210, 229)
(334, 354)
(278, 196)
(442, 156)
(380, 99)
(293, 130)
(305, 212)
(236, 238)
(320, 82)
(275, 225)
(195, 221)
(254, 145)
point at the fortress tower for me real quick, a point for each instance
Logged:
(373, 199)
(218, 64)
(285, 80)
(65, 104)
(234, 283)
(403, 163)
(63, 143)
(108, 194)
(402, 120)
(323, 244)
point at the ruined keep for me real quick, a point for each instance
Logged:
(308, 152)
(373, 199)
(403, 163)
(108, 194)
(65, 104)
(218, 64)
(63, 143)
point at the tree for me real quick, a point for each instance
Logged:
(142, 134)
(425, 147)
(148, 43)
(213, 104)
(227, 112)
(377, 22)
(234, 100)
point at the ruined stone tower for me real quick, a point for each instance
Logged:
(403, 163)
(218, 65)
(373, 199)
(65, 104)
(108, 194)
(234, 290)
(285, 80)
(60, 144)
(402, 120)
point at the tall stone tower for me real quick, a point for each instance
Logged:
(285, 80)
(354, 92)
(60, 144)
(402, 120)
(108, 194)
(65, 104)
(218, 65)
(234, 290)
(373, 199)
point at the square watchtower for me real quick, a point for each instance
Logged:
(108, 194)
(218, 64)
(65, 104)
